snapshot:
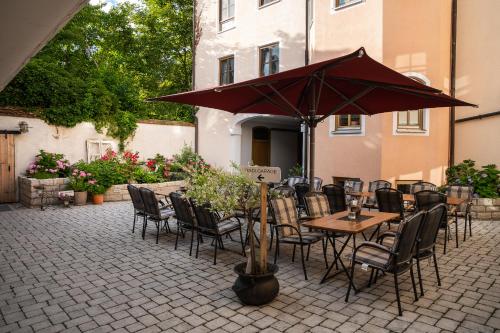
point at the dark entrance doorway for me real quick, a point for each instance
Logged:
(261, 146)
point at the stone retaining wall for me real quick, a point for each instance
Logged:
(31, 197)
(486, 209)
(120, 193)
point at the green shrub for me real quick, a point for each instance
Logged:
(143, 176)
(296, 170)
(485, 181)
(48, 165)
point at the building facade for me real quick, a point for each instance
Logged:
(412, 37)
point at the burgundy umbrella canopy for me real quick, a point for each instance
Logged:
(351, 84)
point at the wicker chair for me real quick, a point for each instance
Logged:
(210, 225)
(352, 185)
(464, 210)
(154, 212)
(336, 198)
(300, 191)
(184, 216)
(291, 181)
(390, 200)
(135, 195)
(371, 201)
(397, 259)
(317, 182)
(288, 230)
(422, 186)
(426, 200)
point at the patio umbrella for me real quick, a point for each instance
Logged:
(351, 84)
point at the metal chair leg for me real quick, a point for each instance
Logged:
(215, 252)
(303, 262)
(158, 225)
(177, 235)
(436, 268)
(293, 254)
(324, 242)
(445, 239)
(419, 274)
(456, 232)
(308, 250)
(351, 278)
(197, 243)
(135, 218)
(144, 226)
(413, 282)
(191, 246)
(470, 225)
(400, 311)
(371, 277)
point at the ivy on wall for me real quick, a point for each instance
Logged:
(104, 64)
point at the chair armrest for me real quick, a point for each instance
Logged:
(374, 245)
(386, 234)
(289, 226)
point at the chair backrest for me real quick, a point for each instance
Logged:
(376, 184)
(284, 190)
(352, 185)
(336, 198)
(284, 211)
(182, 208)
(430, 227)
(206, 220)
(390, 200)
(406, 238)
(422, 186)
(151, 205)
(317, 182)
(295, 180)
(461, 191)
(316, 204)
(427, 199)
(135, 195)
(300, 190)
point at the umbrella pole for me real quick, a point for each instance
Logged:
(312, 139)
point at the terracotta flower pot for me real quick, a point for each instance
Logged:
(80, 198)
(97, 199)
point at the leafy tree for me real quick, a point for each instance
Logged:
(102, 66)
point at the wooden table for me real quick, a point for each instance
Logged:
(336, 223)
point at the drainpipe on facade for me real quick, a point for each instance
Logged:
(193, 73)
(453, 63)
(305, 129)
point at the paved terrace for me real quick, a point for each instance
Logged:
(81, 269)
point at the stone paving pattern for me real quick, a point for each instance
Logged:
(82, 270)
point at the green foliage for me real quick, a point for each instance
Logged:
(102, 66)
(486, 181)
(143, 176)
(48, 165)
(79, 180)
(296, 170)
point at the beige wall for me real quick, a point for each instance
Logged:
(478, 80)
(148, 140)
(409, 36)
(219, 131)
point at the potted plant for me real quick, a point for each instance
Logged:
(225, 193)
(97, 191)
(65, 198)
(79, 183)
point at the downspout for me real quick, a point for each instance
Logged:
(193, 73)
(305, 133)
(453, 65)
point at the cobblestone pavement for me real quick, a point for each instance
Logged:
(81, 269)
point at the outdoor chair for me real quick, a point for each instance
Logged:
(184, 216)
(371, 201)
(291, 181)
(396, 259)
(317, 182)
(390, 200)
(426, 240)
(351, 186)
(154, 212)
(288, 230)
(464, 209)
(422, 186)
(211, 225)
(300, 191)
(336, 198)
(135, 195)
(426, 200)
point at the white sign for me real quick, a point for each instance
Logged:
(69, 193)
(263, 174)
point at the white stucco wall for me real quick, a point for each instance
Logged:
(148, 140)
(220, 132)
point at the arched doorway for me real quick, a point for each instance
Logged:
(261, 146)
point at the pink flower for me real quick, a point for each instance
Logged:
(52, 170)
(83, 174)
(92, 181)
(60, 164)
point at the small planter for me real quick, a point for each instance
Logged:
(256, 289)
(97, 199)
(80, 198)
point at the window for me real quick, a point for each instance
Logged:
(348, 121)
(269, 59)
(411, 120)
(338, 4)
(226, 70)
(266, 2)
(226, 14)
(96, 149)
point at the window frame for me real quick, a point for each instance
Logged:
(261, 68)
(406, 128)
(227, 19)
(337, 130)
(221, 60)
(261, 5)
(337, 7)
